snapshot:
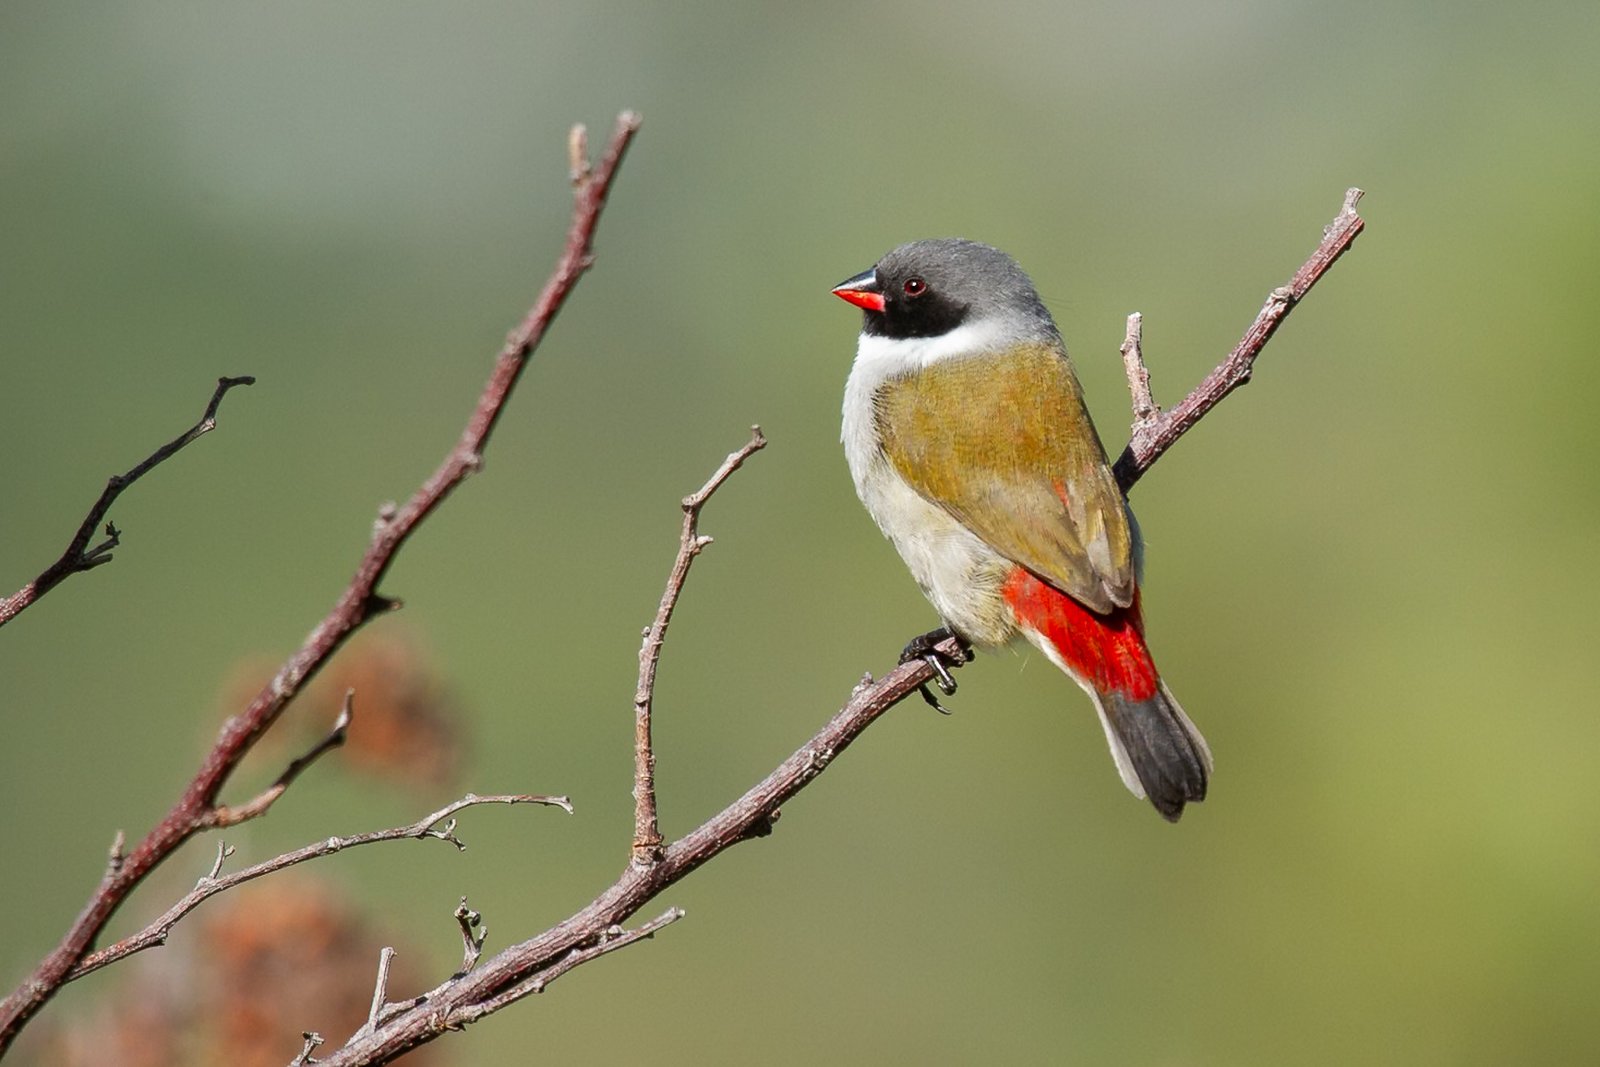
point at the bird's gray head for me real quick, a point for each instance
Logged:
(928, 288)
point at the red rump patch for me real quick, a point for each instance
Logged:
(1107, 651)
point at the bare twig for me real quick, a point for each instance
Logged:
(646, 831)
(312, 1040)
(1155, 431)
(223, 815)
(614, 938)
(224, 850)
(1145, 409)
(473, 935)
(213, 883)
(751, 816)
(80, 555)
(360, 602)
(380, 988)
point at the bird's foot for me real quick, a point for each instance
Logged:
(924, 647)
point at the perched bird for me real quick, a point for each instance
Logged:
(969, 442)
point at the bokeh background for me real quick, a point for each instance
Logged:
(1370, 574)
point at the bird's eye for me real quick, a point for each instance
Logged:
(915, 287)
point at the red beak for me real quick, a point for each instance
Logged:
(862, 291)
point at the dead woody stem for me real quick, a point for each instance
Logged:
(1155, 431)
(646, 831)
(198, 807)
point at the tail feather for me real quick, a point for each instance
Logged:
(1158, 751)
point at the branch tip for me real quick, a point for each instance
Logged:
(224, 850)
(473, 934)
(79, 556)
(312, 1040)
(1152, 436)
(647, 839)
(380, 988)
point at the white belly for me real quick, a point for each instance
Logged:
(960, 574)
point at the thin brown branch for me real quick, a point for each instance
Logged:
(1155, 431)
(646, 831)
(463, 1000)
(222, 815)
(80, 555)
(609, 942)
(359, 603)
(215, 882)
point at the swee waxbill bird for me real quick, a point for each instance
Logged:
(968, 439)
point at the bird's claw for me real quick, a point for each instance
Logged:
(941, 674)
(933, 701)
(925, 647)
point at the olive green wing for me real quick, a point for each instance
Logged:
(1014, 457)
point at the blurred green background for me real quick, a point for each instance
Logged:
(1370, 574)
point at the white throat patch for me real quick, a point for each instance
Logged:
(883, 357)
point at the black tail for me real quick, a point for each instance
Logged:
(1159, 753)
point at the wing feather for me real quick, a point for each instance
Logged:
(1016, 459)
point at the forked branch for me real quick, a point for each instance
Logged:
(197, 809)
(646, 831)
(1155, 431)
(82, 556)
(426, 828)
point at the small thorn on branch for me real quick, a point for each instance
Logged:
(118, 853)
(312, 1040)
(763, 824)
(473, 934)
(386, 514)
(224, 850)
(378, 604)
(578, 168)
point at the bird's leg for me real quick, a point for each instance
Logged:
(924, 647)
